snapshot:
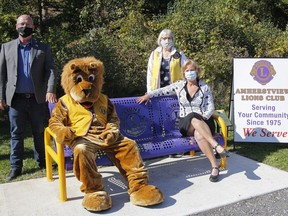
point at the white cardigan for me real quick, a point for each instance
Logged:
(202, 102)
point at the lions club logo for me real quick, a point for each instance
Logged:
(263, 72)
(135, 122)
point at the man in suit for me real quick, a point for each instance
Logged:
(27, 81)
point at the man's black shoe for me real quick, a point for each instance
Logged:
(13, 174)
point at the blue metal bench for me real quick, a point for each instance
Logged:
(153, 126)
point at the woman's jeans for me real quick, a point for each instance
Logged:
(23, 109)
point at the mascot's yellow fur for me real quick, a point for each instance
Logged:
(86, 120)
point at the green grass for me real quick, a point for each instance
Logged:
(274, 155)
(30, 169)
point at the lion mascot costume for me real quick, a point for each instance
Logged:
(86, 120)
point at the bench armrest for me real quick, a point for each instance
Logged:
(58, 156)
(59, 146)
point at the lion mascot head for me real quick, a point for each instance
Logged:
(82, 79)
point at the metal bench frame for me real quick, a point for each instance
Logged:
(153, 126)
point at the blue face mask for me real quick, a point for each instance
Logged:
(190, 75)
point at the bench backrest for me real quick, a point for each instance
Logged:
(154, 121)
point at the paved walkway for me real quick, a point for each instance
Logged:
(271, 204)
(184, 182)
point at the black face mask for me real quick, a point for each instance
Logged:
(25, 31)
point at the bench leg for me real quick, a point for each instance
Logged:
(48, 158)
(223, 163)
(192, 153)
(61, 172)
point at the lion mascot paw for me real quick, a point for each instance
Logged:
(97, 201)
(146, 196)
(86, 120)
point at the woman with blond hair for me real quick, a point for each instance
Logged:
(196, 109)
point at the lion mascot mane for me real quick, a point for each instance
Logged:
(86, 120)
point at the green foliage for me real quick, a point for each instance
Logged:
(123, 33)
(122, 53)
(156, 7)
(7, 20)
(215, 32)
(274, 11)
(9, 11)
(102, 13)
(92, 45)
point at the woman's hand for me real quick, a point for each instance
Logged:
(145, 98)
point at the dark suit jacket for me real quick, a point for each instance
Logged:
(41, 68)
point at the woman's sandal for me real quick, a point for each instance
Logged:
(222, 154)
(214, 178)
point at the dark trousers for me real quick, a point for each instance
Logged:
(25, 110)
